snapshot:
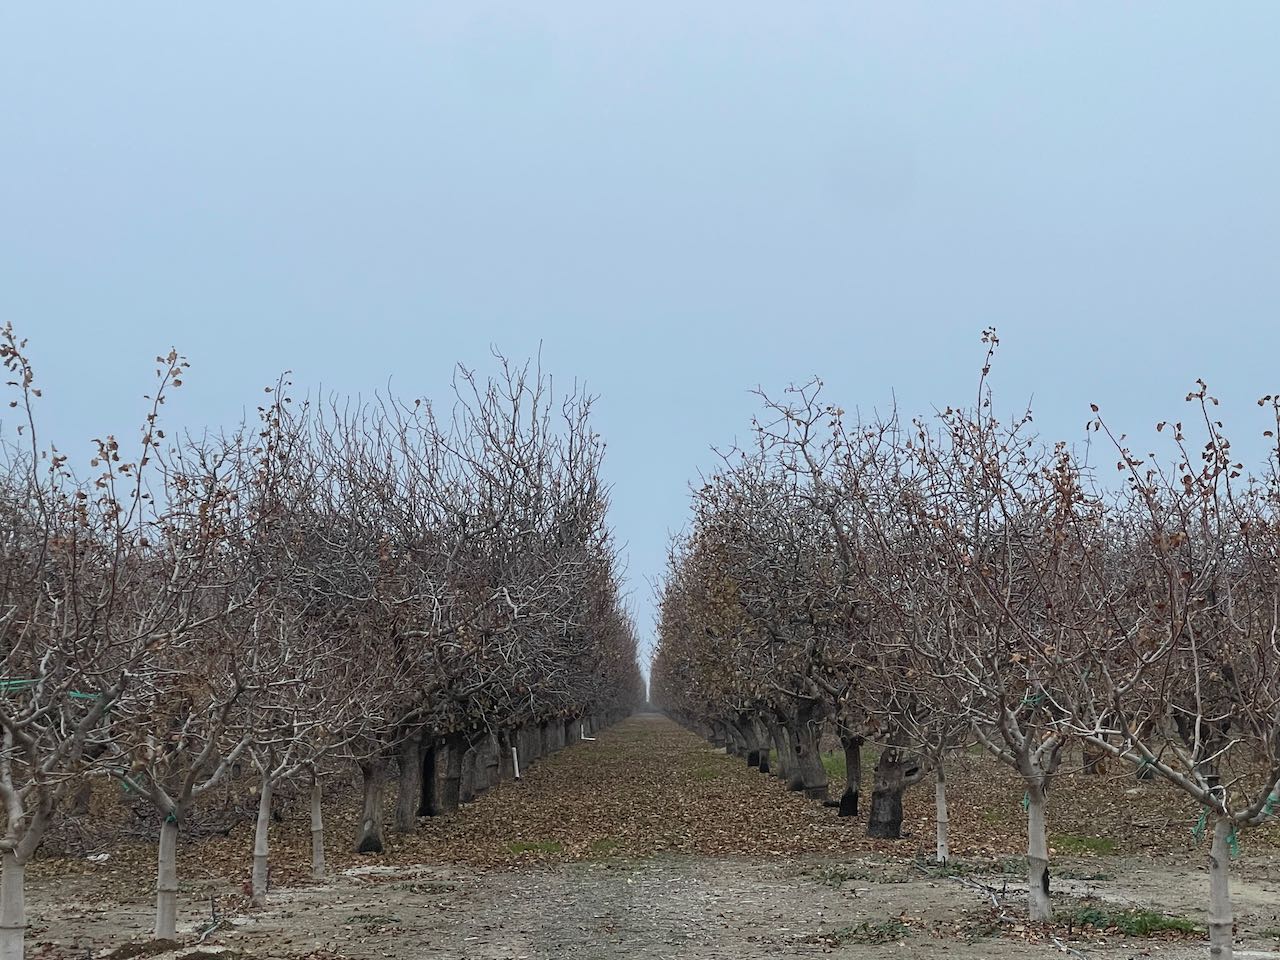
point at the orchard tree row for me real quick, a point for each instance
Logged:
(335, 583)
(931, 584)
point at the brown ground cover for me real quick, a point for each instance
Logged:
(648, 833)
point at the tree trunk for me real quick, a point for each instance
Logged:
(467, 778)
(493, 750)
(795, 776)
(1221, 918)
(409, 791)
(167, 881)
(528, 748)
(570, 732)
(13, 908)
(317, 831)
(480, 773)
(853, 775)
(781, 750)
(892, 774)
(750, 739)
(1038, 852)
(808, 774)
(506, 760)
(1094, 760)
(737, 745)
(943, 821)
(449, 779)
(370, 839)
(429, 757)
(82, 799)
(760, 741)
(258, 883)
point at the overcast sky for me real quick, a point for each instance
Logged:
(678, 200)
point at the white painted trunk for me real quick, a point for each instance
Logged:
(317, 833)
(1037, 855)
(261, 844)
(167, 882)
(940, 796)
(1221, 919)
(13, 908)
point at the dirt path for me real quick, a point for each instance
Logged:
(644, 844)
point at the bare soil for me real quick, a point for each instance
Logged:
(649, 844)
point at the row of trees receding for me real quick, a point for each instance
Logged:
(338, 582)
(930, 584)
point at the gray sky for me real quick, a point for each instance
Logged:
(679, 200)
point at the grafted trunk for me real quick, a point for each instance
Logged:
(13, 907)
(167, 881)
(853, 775)
(317, 831)
(943, 821)
(261, 840)
(895, 771)
(1221, 917)
(1038, 852)
(885, 818)
(807, 774)
(409, 790)
(373, 773)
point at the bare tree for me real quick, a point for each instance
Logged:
(1178, 672)
(83, 610)
(338, 582)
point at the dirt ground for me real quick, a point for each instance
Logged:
(649, 844)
